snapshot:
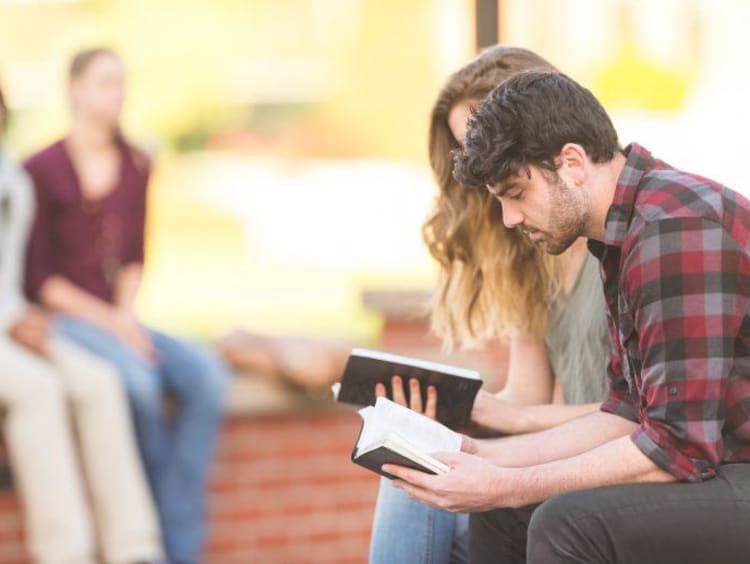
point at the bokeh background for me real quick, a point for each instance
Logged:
(290, 135)
(291, 174)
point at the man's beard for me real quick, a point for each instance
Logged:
(568, 218)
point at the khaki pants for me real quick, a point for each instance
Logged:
(37, 396)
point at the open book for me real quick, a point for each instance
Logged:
(393, 434)
(456, 387)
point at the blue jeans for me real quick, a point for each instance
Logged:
(177, 451)
(409, 532)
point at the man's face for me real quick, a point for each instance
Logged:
(549, 209)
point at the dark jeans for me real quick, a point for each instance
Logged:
(707, 523)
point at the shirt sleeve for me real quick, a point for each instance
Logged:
(686, 281)
(619, 401)
(134, 250)
(39, 252)
(15, 216)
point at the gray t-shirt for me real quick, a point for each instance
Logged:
(578, 339)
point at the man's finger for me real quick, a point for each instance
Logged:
(410, 475)
(420, 494)
(415, 395)
(380, 391)
(398, 390)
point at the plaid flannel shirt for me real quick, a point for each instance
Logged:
(676, 270)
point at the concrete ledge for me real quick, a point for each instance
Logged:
(250, 395)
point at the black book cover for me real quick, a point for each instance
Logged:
(374, 460)
(456, 394)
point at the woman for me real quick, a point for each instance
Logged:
(41, 373)
(85, 262)
(551, 308)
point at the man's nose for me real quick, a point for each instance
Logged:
(511, 215)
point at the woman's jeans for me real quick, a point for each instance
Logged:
(177, 449)
(409, 532)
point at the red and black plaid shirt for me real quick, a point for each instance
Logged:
(675, 264)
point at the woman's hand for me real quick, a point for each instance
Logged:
(415, 396)
(127, 329)
(32, 330)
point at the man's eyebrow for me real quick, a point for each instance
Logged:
(505, 187)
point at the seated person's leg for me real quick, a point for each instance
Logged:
(143, 386)
(410, 532)
(198, 378)
(121, 497)
(499, 536)
(41, 448)
(678, 523)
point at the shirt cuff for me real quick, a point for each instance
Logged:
(666, 456)
(620, 406)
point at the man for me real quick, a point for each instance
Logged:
(660, 474)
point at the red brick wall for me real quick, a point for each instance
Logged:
(11, 531)
(283, 491)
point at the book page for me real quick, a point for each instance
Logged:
(371, 432)
(401, 446)
(425, 434)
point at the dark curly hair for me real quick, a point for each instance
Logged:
(526, 121)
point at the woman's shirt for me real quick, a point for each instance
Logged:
(86, 241)
(578, 339)
(16, 210)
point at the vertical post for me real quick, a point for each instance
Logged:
(487, 23)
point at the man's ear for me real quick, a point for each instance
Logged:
(572, 162)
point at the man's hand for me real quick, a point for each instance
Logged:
(127, 329)
(32, 330)
(471, 486)
(415, 396)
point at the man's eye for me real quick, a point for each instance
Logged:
(515, 195)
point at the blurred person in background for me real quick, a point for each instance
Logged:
(85, 261)
(41, 374)
(491, 282)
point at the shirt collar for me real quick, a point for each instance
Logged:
(638, 160)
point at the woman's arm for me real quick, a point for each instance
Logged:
(524, 405)
(492, 412)
(126, 287)
(530, 379)
(60, 295)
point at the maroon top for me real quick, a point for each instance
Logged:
(86, 241)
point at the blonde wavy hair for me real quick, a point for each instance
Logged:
(494, 281)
